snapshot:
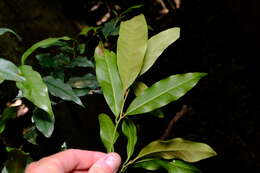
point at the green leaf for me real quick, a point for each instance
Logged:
(17, 161)
(86, 81)
(129, 130)
(4, 30)
(176, 166)
(110, 29)
(30, 134)
(108, 78)
(62, 90)
(139, 88)
(9, 71)
(86, 30)
(108, 134)
(41, 44)
(131, 9)
(80, 62)
(81, 92)
(157, 44)
(44, 122)
(131, 48)
(177, 148)
(7, 114)
(81, 48)
(1, 80)
(164, 92)
(34, 89)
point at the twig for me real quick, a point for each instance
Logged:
(184, 110)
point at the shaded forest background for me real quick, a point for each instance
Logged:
(217, 37)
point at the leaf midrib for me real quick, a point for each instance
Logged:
(156, 96)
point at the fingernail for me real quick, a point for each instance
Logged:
(113, 160)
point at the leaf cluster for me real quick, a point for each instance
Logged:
(118, 73)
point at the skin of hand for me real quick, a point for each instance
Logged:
(76, 161)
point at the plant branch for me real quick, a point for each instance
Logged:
(184, 110)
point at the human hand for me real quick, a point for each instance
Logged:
(76, 161)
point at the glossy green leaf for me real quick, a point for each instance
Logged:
(86, 81)
(17, 161)
(62, 90)
(44, 122)
(164, 92)
(139, 88)
(157, 44)
(108, 134)
(129, 130)
(41, 44)
(9, 71)
(176, 166)
(5, 30)
(131, 48)
(34, 89)
(108, 78)
(80, 62)
(7, 114)
(177, 148)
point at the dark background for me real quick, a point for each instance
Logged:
(217, 37)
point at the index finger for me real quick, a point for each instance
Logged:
(66, 161)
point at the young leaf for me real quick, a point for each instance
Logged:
(131, 47)
(17, 161)
(9, 71)
(156, 45)
(108, 78)
(177, 148)
(171, 167)
(44, 122)
(4, 30)
(34, 89)
(164, 92)
(41, 44)
(108, 134)
(62, 90)
(86, 81)
(7, 114)
(129, 130)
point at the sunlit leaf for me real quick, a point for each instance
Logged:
(177, 148)
(164, 92)
(17, 161)
(156, 45)
(62, 90)
(107, 132)
(108, 77)
(87, 81)
(5, 30)
(41, 44)
(80, 62)
(131, 47)
(30, 134)
(7, 114)
(129, 130)
(44, 122)
(9, 71)
(175, 166)
(34, 89)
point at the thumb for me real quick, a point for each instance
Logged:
(108, 164)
